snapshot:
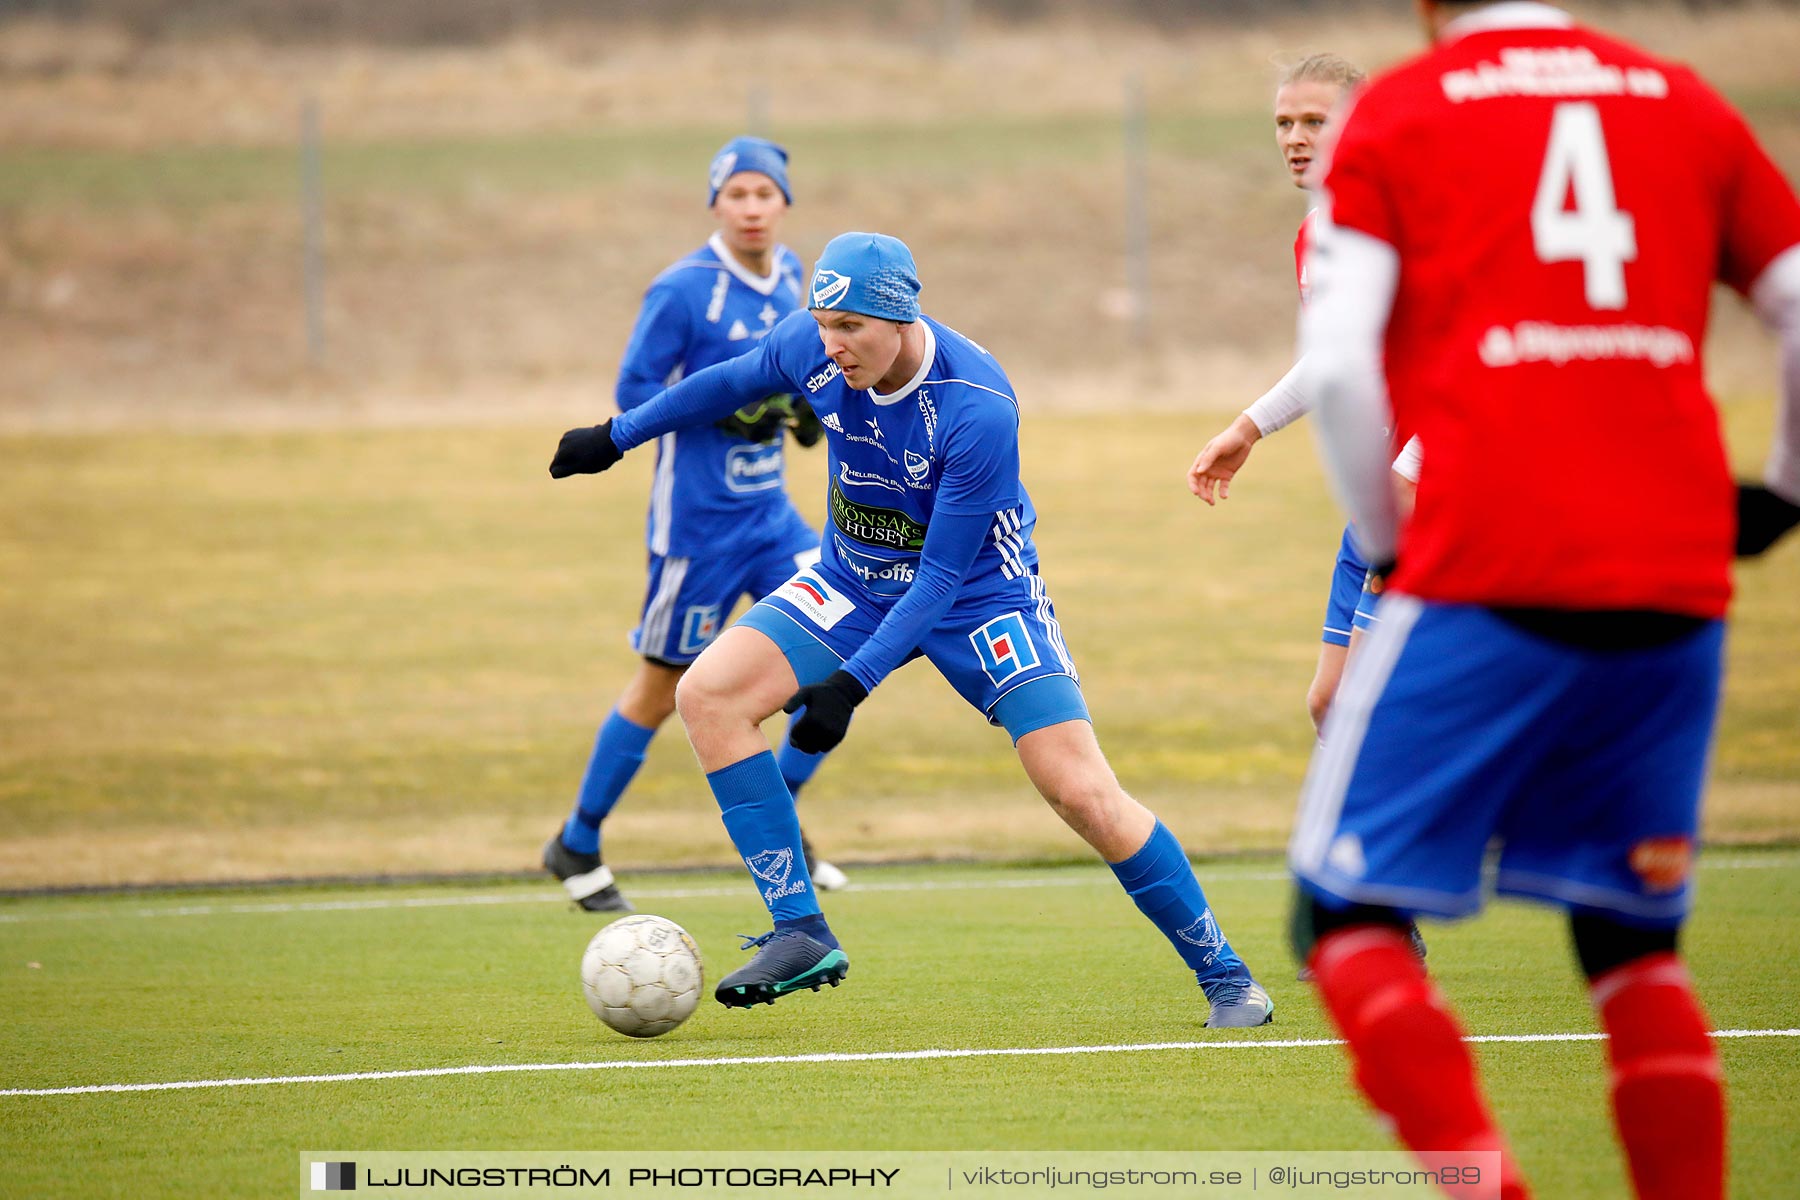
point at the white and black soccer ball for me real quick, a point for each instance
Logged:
(642, 975)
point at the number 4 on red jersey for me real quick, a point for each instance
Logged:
(1561, 203)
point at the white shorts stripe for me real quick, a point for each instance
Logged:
(653, 633)
(1042, 594)
(1328, 777)
(662, 495)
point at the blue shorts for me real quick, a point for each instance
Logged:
(1001, 649)
(1351, 604)
(688, 600)
(1455, 728)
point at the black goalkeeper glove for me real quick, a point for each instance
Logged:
(828, 707)
(585, 452)
(1763, 517)
(804, 424)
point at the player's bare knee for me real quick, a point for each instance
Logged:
(699, 695)
(1086, 802)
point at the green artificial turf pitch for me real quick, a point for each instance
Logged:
(250, 984)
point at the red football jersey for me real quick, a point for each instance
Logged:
(1561, 203)
(1302, 243)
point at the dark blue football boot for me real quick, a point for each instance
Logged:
(788, 960)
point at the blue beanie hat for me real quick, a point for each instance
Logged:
(868, 273)
(748, 154)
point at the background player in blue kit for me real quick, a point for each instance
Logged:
(928, 552)
(720, 524)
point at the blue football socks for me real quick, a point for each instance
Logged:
(1161, 881)
(618, 753)
(759, 815)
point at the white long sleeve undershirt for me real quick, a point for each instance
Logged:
(1282, 404)
(1288, 401)
(1354, 278)
(1776, 295)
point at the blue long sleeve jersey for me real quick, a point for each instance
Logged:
(711, 488)
(925, 509)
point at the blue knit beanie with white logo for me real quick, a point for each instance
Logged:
(868, 273)
(748, 154)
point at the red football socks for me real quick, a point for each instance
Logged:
(1668, 1099)
(1408, 1051)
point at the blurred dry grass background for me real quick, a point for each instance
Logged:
(492, 213)
(312, 652)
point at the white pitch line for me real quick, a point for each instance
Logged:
(548, 896)
(1087, 879)
(798, 1059)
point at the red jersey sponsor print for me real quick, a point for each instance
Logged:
(1665, 864)
(1561, 203)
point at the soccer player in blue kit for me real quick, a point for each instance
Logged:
(720, 523)
(928, 552)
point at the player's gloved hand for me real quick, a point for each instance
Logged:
(1763, 517)
(585, 451)
(762, 420)
(828, 707)
(1375, 582)
(803, 423)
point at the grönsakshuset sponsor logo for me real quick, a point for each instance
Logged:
(872, 525)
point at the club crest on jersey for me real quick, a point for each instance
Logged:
(1004, 647)
(829, 289)
(917, 466)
